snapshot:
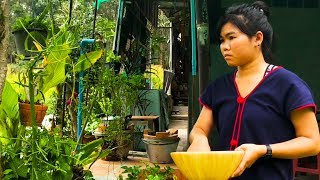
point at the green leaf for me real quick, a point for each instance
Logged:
(54, 72)
(10, 101)
(87, 60)
(19, 168)
(89, 148)
(7, 171)
(93, 156)
(88, 174)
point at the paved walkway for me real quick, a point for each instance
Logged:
(110, 170)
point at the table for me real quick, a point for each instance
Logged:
(153, 121)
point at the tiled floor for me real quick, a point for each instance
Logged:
(110, 170)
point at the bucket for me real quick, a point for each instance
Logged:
(159, 150)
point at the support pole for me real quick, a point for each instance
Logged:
(193, 107)
(203, 44)
(83, 43)
(116, 42)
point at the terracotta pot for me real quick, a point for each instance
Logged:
(25, 113)
(88, 138)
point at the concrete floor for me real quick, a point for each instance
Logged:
(110, 170)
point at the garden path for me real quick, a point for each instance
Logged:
(110, 170)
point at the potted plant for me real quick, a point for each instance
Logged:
(117, 94)
(89, 130)
(119, 138)
(28, 29)
(48, 69)
(57, 157)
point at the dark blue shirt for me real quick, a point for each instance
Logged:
(264, 116)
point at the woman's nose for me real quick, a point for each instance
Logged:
(224, 46)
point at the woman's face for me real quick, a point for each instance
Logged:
(236, 47)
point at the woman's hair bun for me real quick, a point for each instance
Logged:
(262, 6)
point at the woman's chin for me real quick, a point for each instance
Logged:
(231, 64)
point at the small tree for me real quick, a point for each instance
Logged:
(4, 40)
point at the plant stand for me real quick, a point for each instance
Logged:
(25, 113)
(160, 145)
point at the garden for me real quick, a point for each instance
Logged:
(67, 97)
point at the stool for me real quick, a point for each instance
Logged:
(297, 168)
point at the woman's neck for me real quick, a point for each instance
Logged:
(255, 67)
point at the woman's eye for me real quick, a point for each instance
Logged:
(221, 41)
(231, 37)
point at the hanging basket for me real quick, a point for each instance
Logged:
(25, 113)
(24, 41)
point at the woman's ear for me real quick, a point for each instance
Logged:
(258, 38)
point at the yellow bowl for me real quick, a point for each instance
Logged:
(214, 165)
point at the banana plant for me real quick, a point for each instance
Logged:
(51, 71)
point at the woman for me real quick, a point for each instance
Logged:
(262, 109)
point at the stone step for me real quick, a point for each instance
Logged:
(179, 116)
(179, 110)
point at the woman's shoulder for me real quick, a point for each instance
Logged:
(286, 76)
(221, 81)
(224, 77)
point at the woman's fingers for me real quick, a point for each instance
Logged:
(242, 166)
(251, 153)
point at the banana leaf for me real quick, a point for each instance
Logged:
(54, 72)
(10, 102)
(87, 60)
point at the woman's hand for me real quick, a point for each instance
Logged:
(252, 152)
(201, 131)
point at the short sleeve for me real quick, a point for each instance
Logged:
(206, 99)
(299, 96)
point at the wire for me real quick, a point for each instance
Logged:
(94, 19)
(70, 11)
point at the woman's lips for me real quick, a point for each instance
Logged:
(227, 56)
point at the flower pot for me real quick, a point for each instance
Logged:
(24, 41)
(120, 147)
(120, 152)
(88, 138)
(159, 145)
(25, 113)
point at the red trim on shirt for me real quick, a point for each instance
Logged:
(307, 106)
(203, 104)
(241, 104)
(235, 84)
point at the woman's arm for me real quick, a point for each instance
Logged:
(201, 130)
(306, 143)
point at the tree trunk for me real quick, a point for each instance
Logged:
(4, 41)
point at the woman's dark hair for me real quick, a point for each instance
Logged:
(250, 19)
